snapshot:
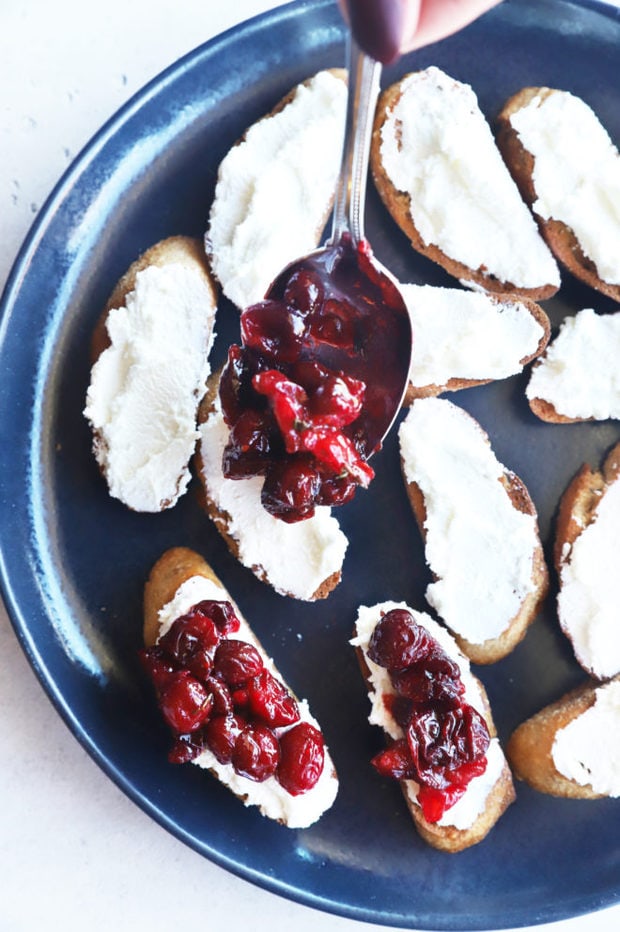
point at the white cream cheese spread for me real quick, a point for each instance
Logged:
(295, 559)
(146, 386)
(576, 174)
(467, 335)
(275, 188)
(437, 148)
(579, 373)
(478, 545)
(587, 750)
(273, 801)
(589, 592)
(467, 809)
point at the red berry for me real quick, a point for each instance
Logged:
(157, 665)
(186, 748)
(236, 662)
(288, 402)
(273, 330)
(235, 384)
(336, 491)
(398, 641)
(222, 614)
(184, 702)
(256, 753)
(271, 702)
(337, 401)
(304, 291)
(395, 761)
(221, 733)
(335, 324)
(222, 697)
(290, 489)
(336, 453)
(250, 445)
(192, 640)
(301, 758)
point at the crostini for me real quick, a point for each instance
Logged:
(222, 697)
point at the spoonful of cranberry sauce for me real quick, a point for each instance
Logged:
(324, 362)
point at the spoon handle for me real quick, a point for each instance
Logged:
(364, 79)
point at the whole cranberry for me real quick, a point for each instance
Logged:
(302, 758)
(256, 753)
(304, 291)
(235, 384)
(395, 761)
(337, 490)
(271, 702)
(236, 662)
(184, 702)
(192, 640)
(222, 696)
(250, 445)
(423, 686)
(398, 641)
(221, 733)
(273, 330)
(221, 613)
(186, 748)
(337, 401)
(157, 664)
(335, 324)
(290, 489)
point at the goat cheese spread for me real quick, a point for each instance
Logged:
(589, 591)
(275, 188)
(582, 187)
(579, 373)
(146, 386)
(467, 335)
(478, 545)
(437, 147)
(587, 750)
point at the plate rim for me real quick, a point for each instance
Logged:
(20, 267)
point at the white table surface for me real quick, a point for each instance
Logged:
(74, 851)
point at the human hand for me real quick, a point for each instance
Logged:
(386, 28)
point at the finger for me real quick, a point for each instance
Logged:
(441, 18)
(381, 27)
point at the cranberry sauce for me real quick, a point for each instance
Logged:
(215, 693)
(316, 382)
(445, 739)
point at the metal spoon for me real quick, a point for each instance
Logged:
(353, 279)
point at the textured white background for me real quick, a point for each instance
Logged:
(74, 851)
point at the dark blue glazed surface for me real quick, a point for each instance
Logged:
(74, 561)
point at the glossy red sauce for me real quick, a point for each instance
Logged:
(316, 381)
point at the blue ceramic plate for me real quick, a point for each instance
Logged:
(74, 561)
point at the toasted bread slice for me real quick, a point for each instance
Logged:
(568, 186)
(536, 754)
(480, 530)
(150, 352)
(439, 173)
(576, 379)
(585, 555)
(275, 188)
(465, 338)
(301, 560)
(470, 820)
(179, 580)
